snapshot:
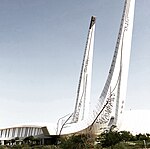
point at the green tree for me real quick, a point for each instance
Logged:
(76, 142)
(13, 141)
(142, 137)
(125, 136)
(109, 139)
(28, 140)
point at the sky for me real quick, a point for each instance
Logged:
(41, 51)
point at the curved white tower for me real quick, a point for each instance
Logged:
(81, 110)
(114, 92)
(78, 120)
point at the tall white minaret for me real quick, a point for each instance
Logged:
(81, 110)
(114, 93)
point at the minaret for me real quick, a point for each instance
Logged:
(114, 92)
(81, 110)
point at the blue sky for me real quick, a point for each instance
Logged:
(41, 49)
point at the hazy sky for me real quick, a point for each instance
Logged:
(41, 50)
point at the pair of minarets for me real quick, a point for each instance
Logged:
(115, 87)
(110, 105)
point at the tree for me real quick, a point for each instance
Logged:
(13, 141)
(125, 136)
(28, 140)
(142, 137)
(109, 139)
(75, 142)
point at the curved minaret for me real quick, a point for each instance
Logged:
(114, 93)
(81, 110)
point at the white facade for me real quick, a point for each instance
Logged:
(20, 131)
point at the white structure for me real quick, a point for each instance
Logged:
(20, 131)
(109, 109)
(114, 92)
(111, 101)
(81, 111)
